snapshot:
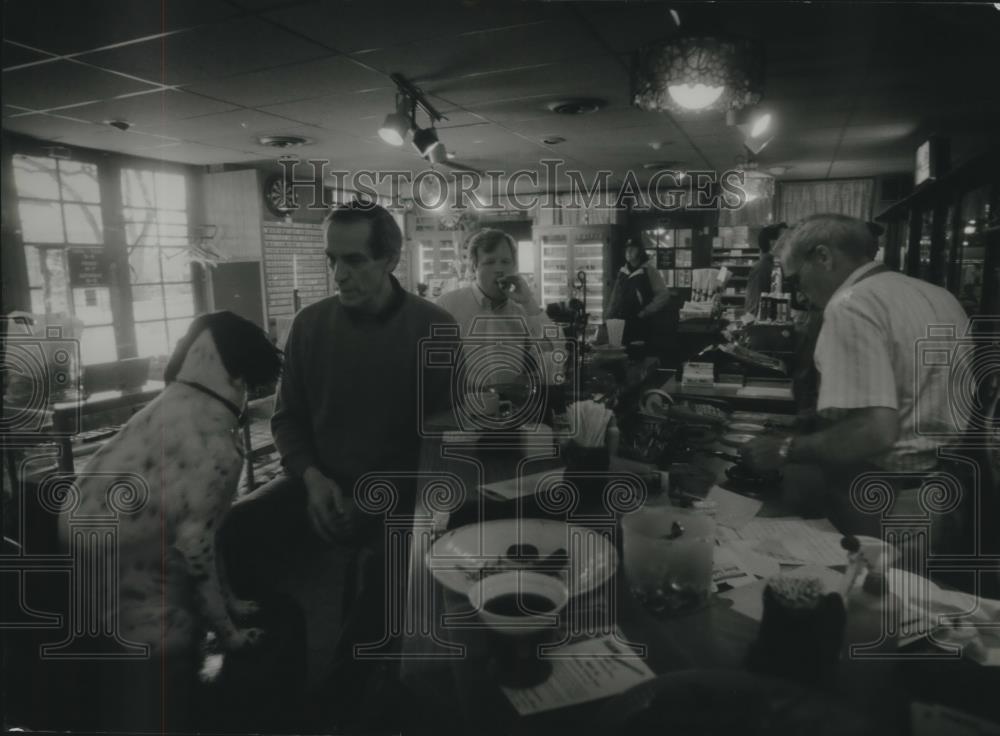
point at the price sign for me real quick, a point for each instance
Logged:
(88, 268)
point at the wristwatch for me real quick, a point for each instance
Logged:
(786, 445)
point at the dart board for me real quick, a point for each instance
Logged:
(279, 195)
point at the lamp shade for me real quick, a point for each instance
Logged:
(394, 128)
(697, 73)
(425, 140)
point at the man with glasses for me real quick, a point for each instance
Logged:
(869, 382)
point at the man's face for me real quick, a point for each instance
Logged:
(812, 272)
(492, 266)
(632, 256)
(361, 279)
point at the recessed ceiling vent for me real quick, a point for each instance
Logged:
(283, 141)
(577, 106)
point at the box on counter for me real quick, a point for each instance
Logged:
(698, 374)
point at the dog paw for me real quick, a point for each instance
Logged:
(243, 638)
(242, 609)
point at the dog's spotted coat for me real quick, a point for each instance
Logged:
(187, 447)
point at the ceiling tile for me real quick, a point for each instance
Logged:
(211, 52)
(14, 55)
(354, 27)
(152, 109)
(61, 83)
(81, 25)
(335, 75)
(46, 126)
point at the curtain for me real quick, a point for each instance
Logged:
(853, 197)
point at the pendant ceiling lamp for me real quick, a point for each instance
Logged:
(697, 74)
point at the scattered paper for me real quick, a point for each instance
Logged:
(526, 485)
(588, 670)
(759, 565)
(791, 541)
(728, 569)
(732, 509)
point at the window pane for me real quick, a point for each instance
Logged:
(174, 240)
(34, 266)
(171, 194)
(37, 301)
(144, 265)
(41, 222)
(98, 345)
(180, 300)
(79, 182)
(137, 189)
(93, 305)
(83, 223)
(176, 264)
(140, 233)
(147, 303)
(151, 339)
(36, 177)
(174, 232)
(177, 328)
(172, 217)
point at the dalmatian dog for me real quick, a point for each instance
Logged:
(187, 446)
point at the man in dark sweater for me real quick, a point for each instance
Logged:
(347, 405)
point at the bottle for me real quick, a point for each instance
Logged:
(777, 280)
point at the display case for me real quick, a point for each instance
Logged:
(946, 233)
(565, 251)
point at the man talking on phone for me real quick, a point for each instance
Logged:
(498, 308)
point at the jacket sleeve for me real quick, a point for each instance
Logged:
(661, 294)
(291, 426)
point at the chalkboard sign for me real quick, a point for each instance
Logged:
(88, 267)
(665, 258)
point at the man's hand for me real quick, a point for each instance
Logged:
(765, 453)
(328, 507)
(522, 293)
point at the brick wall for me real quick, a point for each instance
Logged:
(304, 241)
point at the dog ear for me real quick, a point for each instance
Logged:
(245, 349)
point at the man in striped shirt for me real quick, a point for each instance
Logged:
(873, 383)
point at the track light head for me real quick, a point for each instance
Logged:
(394, 128)
(425, 140)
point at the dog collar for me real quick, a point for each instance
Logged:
(241, 415)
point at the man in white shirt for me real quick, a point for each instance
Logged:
(498, 315)
(871, 387)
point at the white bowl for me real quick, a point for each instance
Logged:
(519, 583)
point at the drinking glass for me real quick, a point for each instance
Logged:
(668, 557)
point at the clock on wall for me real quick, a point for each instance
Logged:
(279, 195)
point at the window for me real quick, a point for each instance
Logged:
(59, 204)
(156, 236)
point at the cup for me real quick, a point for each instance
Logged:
(616, 329)
(801, 631)
(521, 610)
(668, 557)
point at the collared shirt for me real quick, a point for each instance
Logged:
(870, 353)
(494, 334)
